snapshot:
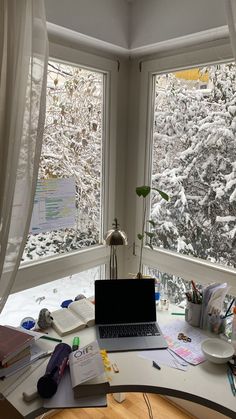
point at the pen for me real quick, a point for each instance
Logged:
(178, 314)
(231, 381)
(50, 338)
(75, 343)
(155, 365)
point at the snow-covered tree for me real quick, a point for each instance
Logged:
(194, 160)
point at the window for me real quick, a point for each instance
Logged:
(187, 149)
(79, 143)
(194, 154)
(69, 187)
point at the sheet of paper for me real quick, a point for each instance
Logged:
(165, 357)
(189, 351)
(64, 397)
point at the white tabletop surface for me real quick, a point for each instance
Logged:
(206, 383)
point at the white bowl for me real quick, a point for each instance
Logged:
(217, 350)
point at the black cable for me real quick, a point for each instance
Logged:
(146, 399)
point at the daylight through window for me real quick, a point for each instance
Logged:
(67, 205)
(194, 161)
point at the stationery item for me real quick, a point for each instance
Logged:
(51, 338)
(125, 315)
(231, 381)
(12, 343)
(165, 357)
(212, 299)
(87, 371)
(178, 314)
(75, 343)
(193, 313)
(48, 383)
(77, 316)
(227, 313)
(115, 368)
(155, 365)
(189, 351)
(64, 397)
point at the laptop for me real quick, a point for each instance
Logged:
(125, 315)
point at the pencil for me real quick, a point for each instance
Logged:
(51, 338)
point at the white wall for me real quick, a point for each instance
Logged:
(106, 20)
(137, 23)
(153, 21)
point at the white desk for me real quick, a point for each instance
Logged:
(205, 384)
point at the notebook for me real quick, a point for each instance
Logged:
(125, 315)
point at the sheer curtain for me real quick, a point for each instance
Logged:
(23, 64)
(231, 19)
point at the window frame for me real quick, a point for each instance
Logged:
(184, 266)
(35, 273)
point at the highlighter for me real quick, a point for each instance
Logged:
(75, 343)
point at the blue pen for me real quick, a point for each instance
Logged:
(231, 381)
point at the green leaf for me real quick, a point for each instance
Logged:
(143, 190)
(151, 235)
(150, 245)
(152, 223)
(163, 194)
(140, 236)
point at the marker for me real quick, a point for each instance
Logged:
(75, 343)
(155, 365)
(178, 314)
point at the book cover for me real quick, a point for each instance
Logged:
(12, 342)
(77, 316)
(88, 376)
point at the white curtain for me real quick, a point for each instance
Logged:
(23, 64)
(231, 19)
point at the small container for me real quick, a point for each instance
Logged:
(164, 300)
(157, 290)
(193, 313)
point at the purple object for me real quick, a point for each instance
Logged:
(48, 383)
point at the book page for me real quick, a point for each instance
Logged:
(85, 309)
(65, 321)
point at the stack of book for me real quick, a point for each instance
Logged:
(15, 350)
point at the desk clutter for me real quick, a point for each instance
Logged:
(204, 308)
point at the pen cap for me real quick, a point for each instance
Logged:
(48, 383)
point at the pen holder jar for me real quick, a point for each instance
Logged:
(193, 313)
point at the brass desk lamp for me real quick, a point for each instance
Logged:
(113, 238)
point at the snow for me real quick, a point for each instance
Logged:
(28, 303)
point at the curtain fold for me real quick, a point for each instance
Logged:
(230, 6)
(23, 66)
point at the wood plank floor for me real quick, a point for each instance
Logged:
(133, 407)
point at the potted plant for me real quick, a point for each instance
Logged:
(144, 191)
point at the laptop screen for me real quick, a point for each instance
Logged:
(125, 301)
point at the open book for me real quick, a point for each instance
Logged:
(77, 316)
(87, 372)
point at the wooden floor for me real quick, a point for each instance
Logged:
(133, 407)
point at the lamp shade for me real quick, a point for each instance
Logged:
(115, 236)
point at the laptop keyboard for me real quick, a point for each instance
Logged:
(128, 330)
